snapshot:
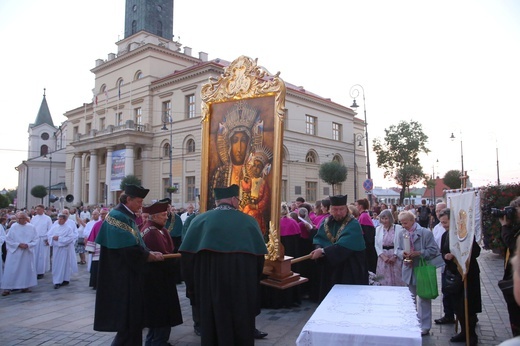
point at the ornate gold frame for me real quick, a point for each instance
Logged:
(243, 79)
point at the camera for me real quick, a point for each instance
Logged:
(508, 212)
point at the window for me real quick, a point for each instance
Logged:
(139, 153)
(44, 150)
(119, 119)
(138, 114)
(166, 150)
(159, 28)
(138, 75)
(310, 157)
(190, 146)
(310, 190)
(134, 27)
(310, 125)
(44, 136)
(190, 106)
(119, 87)
(103, 159)
(75, 131)
(88, 127)
(283, 191)
(190, 189)
(101, 123)
(336, 131)
(167, 111)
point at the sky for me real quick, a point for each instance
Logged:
(452, 66)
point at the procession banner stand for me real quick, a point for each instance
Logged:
(242, 143)
(463, 210)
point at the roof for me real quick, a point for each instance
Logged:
(384, 192)
(439, 187)
(44, 115)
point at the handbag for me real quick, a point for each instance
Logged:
(452, 282)
(426, 280)
(506, 286)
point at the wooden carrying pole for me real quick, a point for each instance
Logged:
(172, 255)
(300, 259)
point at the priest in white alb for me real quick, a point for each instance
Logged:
(61, 237)
(19, 271)
(43, 224)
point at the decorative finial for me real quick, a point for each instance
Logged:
(44, 92)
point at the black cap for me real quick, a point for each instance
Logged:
(226, 192)
(136, 191)
(338, 200)
(165, 200)
(157, 207)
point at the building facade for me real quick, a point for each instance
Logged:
(145, 116)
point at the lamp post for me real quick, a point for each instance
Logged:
(164, 128)
(463, 174)
(50, 175)
(354, 92)
(358, 137)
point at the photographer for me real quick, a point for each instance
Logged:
(510, 232)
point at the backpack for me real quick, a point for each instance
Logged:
(424, 215)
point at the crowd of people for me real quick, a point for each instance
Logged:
(132, 252)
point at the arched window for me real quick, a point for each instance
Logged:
(44, 150)
(190, 146)
(138, 75)
(134, 27)
(159, 28)
(166, 150)
(310, 157)
(337, 158)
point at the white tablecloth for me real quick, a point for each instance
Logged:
(363, 315)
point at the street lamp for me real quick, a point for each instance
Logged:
(358, 137)
(164, 128)
(463, 174)
(354, 92)
(50, 175)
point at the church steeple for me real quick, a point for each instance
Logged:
(153, 16)
(44, 115)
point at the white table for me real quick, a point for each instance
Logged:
(363, 315)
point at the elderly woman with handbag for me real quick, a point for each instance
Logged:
(416, 245)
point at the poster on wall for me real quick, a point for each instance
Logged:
(118, 169)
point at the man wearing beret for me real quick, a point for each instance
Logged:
(161, 301)
(227, 251)
(340, 248)
(119, 295)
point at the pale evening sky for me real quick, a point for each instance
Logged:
(453, 66)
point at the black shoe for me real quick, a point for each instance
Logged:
(259, 334)
(40, 276)
(445, 320)
(197, 330)
(64, 283)
(461, 337)
(57, 286)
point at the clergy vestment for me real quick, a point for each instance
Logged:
(19, 270)
(119, 293)
(43, 224)
(226, 251)
(63, 263)
(344, 261)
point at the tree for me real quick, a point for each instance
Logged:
(129, 180)
(333, 173)
(4, 202)
(39, 191)
(407, 176)
(452, 179)
(398, 155)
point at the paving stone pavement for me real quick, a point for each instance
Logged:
(64, 316)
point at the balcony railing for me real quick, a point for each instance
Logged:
(128, 125)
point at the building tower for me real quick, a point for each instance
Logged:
(153, 16)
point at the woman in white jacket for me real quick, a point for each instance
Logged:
(389, 266)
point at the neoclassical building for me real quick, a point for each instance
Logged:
(145, 115)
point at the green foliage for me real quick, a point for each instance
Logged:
(4, 202)
(498, 196)
(39, 191)
(398, 155)
(333, 173)
(129, 179)
(452, 179)
(407, 176)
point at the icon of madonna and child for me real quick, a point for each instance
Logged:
(244, 159)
